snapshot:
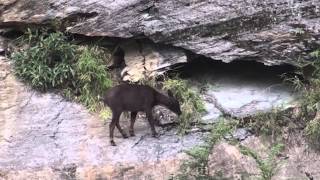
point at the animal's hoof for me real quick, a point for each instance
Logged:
(132, 133)
(112, 143)
(125, 136)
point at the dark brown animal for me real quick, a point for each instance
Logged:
(135, 98)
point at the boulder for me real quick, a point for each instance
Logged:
(227, 160)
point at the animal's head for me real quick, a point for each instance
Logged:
(174, 104)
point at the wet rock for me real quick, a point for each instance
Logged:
(272, 32)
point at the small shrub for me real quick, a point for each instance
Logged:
(197, 166)
(269, 165)
(191, 103)
(47, 64)
(312, 132)
(309, 98)
(269, 123)
(51, 62)
(92, 78)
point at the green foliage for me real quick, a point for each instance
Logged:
(197, 166)
(92, 77)
(191, 103)
(46, 64)
(312, 132)
(269, 123)
(269, 165)
(49, 61)
(309, 98)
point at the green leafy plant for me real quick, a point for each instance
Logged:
(92, 77)
(191, 103)
(310, 103)
(48, 61)
(269, 123)
(197, 166)
(312, 132)
(309, 91)
(269, 165)
(46, 64)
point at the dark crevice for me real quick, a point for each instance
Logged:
(104, 41)
(11, 33)
(85, 15)
(21, 26)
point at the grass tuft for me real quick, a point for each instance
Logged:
(191, 103)
(197, 167)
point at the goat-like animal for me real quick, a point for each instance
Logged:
(135, 98)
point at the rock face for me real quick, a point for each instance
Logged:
(271, 31)
(296, 162)
(228, 160)
(148, 59)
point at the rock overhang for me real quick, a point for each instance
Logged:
(271, 32)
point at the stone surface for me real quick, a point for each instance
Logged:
(297, 161)
(134, 61)
(43, 136)
(148, 59)
(271, 31)
(227, 160)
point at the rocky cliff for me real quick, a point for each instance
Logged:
(271, 31)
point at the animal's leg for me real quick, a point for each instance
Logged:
(124, 135)
(151, 122)
(133, 119)
(115, 119)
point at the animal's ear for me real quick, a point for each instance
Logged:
(170, 93)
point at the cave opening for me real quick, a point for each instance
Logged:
(248, 71)
(242, 87)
